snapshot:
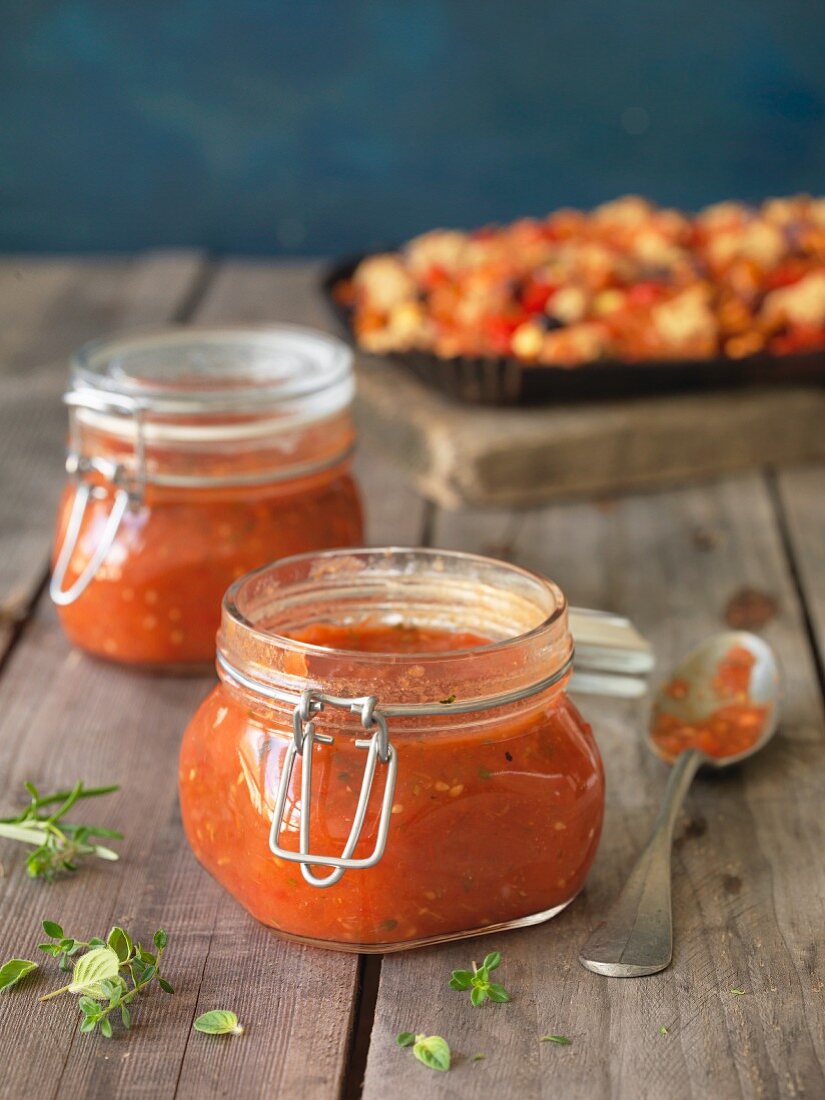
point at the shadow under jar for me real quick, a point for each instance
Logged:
(196, 455)
(454, 788)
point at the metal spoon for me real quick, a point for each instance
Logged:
(636, 937)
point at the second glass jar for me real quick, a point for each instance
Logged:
(195, 456)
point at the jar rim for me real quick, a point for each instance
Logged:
(231, 609)
(523, 612)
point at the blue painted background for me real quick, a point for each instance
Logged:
(264, 126)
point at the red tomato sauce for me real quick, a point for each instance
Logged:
(732, 728)
(156, 600)
(492, 822)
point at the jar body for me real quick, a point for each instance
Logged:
(494, 824)
(155, 600)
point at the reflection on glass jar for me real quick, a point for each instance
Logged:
(196, 455)
(443, 675)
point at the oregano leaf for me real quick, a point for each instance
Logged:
(14, 971)
(219, 1021)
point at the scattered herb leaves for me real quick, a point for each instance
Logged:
(14, 971)
(559, 1040)
(405, 1038)
(738, 992)
(219, 1021)
(477, 981)
(102, 974)
(432, 1050)
(57, 844)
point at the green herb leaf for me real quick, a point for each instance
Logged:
(448, 700)
(93, 968)
(461, 979)
(498, 993)
(218, 1021)
(106, 1027)
(663, 1030)
(492, 961)
(125, 1017)
(479, 1057)
(479, 995)
(433, 1051)
(560, 1040)
(14, 971)
(165, 986)
(160, 939)
(738, 992)
(51, 928)
(121, 943)
(405, 1038)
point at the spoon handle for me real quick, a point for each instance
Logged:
(636, 937)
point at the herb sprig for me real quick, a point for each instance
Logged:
(101, 976)
(478, 981)
(58, 844)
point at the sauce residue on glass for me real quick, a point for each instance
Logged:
(732, 728)
(386, 638)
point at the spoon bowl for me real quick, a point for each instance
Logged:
(697, 672)
(636, 937)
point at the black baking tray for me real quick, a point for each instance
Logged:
(506, 381)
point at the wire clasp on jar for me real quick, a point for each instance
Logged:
(304, 737)
(125, 496)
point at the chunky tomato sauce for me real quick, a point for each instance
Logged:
(156, 600)
(492, 822)
(731, 728)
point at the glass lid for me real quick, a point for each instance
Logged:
(196, 370)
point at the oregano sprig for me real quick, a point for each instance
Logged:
(57, 844)
(108, 975)
(478, 981)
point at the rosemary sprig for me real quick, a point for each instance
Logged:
(58, 844)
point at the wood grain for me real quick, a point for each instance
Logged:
(47, 309)
(801, 494)
(749, 890)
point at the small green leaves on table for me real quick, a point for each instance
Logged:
(14, 971)
(478, 981)
(432, 1050)
(107, 975)
(57, 844)
(559, 1040)
(219, 1021)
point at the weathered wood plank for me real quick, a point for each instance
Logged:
(749, 890)
(802, 501)
(247, 290)
(47, 309)
(458, 454)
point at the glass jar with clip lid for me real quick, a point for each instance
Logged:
(391, 757)
(196, 455)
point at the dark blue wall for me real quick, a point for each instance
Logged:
(266, 126)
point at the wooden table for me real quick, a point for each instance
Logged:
(749, 891)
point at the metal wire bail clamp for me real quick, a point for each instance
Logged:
(302, 743)
(125, 496)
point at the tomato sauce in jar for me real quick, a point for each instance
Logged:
(493, 789)
(197, 456)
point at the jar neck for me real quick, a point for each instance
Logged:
(526, 662)
(219, 454)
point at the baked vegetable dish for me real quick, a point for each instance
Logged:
(628, 281)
